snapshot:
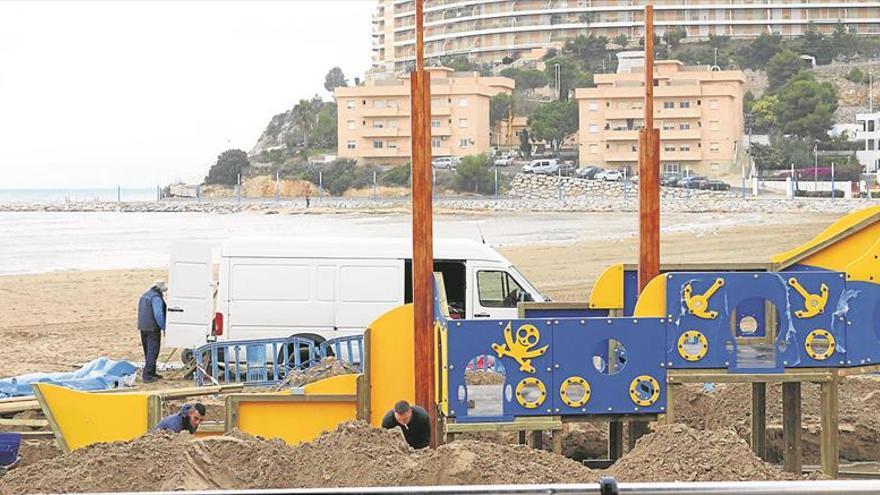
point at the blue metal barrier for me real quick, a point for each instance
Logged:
(268, 361)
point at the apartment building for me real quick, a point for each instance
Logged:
(374, 118)
(868, 134)
(489, 30)
(698, 112)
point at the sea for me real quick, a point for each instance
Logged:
(78, 195)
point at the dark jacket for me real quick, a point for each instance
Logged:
(151, 311)
(178, 422)
(417, 433)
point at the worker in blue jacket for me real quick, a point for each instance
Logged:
(189, 418)
(151, 323)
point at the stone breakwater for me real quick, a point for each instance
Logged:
(719, 202)
(534, 186)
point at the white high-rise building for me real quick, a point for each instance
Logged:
(868, 134)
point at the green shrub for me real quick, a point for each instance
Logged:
(473, 174)
(855, 75)
(398, 176)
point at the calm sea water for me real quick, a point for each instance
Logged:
(35, 242)
(87, 194)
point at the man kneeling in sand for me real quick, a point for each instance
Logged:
(189, 418)
(413, 421)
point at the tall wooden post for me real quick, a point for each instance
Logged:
(422, 229)
(649, 187)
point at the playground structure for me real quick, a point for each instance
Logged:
(811, 315)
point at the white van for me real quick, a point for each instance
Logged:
(324, 288)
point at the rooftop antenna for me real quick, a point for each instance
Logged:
(480, 230)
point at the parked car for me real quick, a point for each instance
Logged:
(445, 162)
(546, 167)
(504, 160)
(566, 169)
(609, 175)
(587, 172)
(716, 185)
(670, 179)
(691, 181)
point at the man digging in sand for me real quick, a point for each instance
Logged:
(189, 418)
(412, 420)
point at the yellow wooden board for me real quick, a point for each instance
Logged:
(293, 422)
(342, 384)
(652, 300)
(392, 361)
(81, 418)
(607, 292)
(866, 268)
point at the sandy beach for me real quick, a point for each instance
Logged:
(57, 321)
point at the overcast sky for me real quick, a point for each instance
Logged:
(142, 93)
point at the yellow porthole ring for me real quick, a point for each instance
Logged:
(633, 390)
(701, 340)
(812, 336)
(520, 395)
(574, 380)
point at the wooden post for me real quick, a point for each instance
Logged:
(792, 453)
(759, 420)
(649, 188)
(536, 439)
(422, 230)
(829, 442)
(615, 440)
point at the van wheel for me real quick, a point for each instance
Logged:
(302, 350)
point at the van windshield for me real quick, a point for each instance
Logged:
(536, 294)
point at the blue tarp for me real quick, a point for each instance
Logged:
(100, 374)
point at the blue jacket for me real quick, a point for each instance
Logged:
(177, 422)
(151, 311)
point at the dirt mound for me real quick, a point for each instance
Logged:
(680, 453)
(481, 377)
(329, 366)
(33, 451)
(728, 407)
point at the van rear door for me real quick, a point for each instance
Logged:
(190, 295)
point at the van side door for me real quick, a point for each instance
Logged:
(495, 292)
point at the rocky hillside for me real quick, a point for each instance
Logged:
(281, 129)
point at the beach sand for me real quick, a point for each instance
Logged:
(57, 321)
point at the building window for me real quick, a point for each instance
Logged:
(870, 126)
(349, 104)
(870, 145)
(435, 143)
(668, 126)
(715, 167)
(378, 124)
(713, 104)
(463, 143)
(669, 147)
(714, 147)
(378, 103)
(594, 149)
(350, 144)
(671, 168)
(463, 123)
(684, 147)
(391, 144)
(392, 103)
(637, 105)
(436, 102)
(713, 125)
(634, 148)
(594, 128)
(594, 106)
(668, 104)
(377, 144)
(462, 102)
(435, 123)
(684, 126)
(621, 105)
(684, 104)
(351, 124)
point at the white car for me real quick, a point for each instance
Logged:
(547, 167)
(504, 160)
(444, 162)
(609, 175)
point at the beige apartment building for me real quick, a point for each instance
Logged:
(489, 30)
(698, 111)
(374, 118)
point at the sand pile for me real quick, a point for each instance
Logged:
(483, 377)
(728, 407)
(329, 366)
(680, 453)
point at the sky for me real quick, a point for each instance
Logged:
(100, 94)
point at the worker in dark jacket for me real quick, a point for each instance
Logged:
(151, 323)
(413, 421)
(189, 418)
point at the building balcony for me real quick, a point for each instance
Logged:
(384, 112)
(386, 153)
(624, 135)
(441, 131)
(441, 110)
(621, 156)
(626, 113)
(677, 134)
(441, 151)
(372, 132)
(678, 113)
(682, 156)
